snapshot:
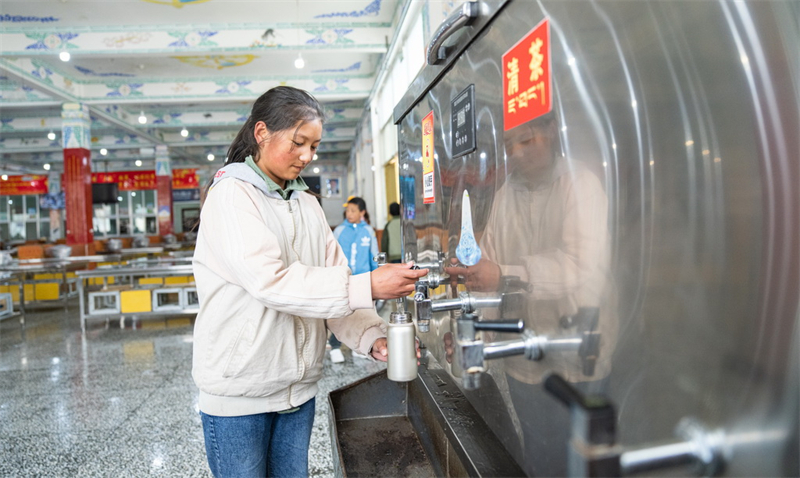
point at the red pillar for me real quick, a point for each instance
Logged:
(77, 178)
(164, 190)
(78, 191)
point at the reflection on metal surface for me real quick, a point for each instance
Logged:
(660, 192)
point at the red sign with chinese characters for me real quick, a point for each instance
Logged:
(526, 78)
(26, 184)
(185, 179)
(128, 180)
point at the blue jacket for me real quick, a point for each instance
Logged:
(360, 245)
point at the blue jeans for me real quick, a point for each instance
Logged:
(267, 444)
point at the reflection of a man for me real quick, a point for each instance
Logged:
(548, 226)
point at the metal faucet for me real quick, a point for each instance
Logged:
(593, 450)
(510, 301)
(472, 352)
(422, 302)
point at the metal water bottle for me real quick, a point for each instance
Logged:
(401, 338)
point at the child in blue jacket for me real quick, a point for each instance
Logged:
(360, 246)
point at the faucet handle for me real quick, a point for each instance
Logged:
(506, 326)
(381, 258)
(586, 320)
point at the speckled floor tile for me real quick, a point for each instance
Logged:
(118, 402)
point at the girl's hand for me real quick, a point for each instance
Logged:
(392, 281)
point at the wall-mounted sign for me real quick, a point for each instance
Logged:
(185, 179)
(463, 122)
(427, 160)
(128, 180)
(526, 78)
(140, 180)
(26, 184)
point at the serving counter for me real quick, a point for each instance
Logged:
(139, 289)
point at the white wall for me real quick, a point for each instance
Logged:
(377, 141)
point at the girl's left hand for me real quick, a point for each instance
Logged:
(380, 351)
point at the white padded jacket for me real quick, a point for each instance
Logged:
(269, 276)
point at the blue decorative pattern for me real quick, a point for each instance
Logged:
(50, 41)
(353, 67)
(193, 39)
(332, 85)
(89, 72)
(128, 89)
(233, 87)
(22, 19)
(371, 10)
(333, 36)
(171, 119)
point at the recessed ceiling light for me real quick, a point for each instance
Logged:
(138, 162)
(64, 56)
(184, 132)
(46, 166)
(210, 156)
(103, 151)
(51, 136)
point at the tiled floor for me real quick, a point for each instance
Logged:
(116, 402)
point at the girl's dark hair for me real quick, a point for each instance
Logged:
(362, 206)
(280, 108)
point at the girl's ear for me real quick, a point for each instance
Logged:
(260, 132)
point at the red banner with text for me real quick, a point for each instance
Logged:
(26, 184)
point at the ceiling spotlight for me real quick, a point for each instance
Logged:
(315, 157)
(103, 151)
(142, 118)
(4, 177)
(299, 63)
(51, 136)
(316, 170)
(138, 162)
(184, 132)
(210, 156)
(46, 166)
(64, 56)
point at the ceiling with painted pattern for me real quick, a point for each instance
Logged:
(193, 64)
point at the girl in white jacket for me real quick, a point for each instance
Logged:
(270, 277)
